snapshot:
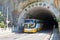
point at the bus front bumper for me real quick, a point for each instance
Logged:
(32, 30)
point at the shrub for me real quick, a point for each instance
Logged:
(2, 24)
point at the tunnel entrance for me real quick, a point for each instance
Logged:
(49, 19)
(42, 11)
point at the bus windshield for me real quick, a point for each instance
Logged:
(29, 21)
(29, 25)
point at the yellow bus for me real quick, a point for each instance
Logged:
(32, 25)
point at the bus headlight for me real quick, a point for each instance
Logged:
(25, 25)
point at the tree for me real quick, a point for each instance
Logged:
(2, 23)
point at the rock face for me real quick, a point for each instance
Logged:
(57, 4)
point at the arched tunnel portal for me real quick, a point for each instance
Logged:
(42, 11)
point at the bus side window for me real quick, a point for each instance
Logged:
(37, 25)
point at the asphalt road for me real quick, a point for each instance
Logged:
(42, 35)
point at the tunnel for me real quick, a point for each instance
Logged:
(49, 19)
(42, 11)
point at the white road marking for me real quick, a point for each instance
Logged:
(52, 37)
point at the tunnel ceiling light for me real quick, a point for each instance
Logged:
(25, 9)
(44, 4)
(48, 6)
(40, 3)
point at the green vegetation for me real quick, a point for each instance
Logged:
(2, 23)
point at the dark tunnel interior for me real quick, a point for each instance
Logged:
(45, 15)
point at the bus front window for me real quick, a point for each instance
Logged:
(29, 25)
